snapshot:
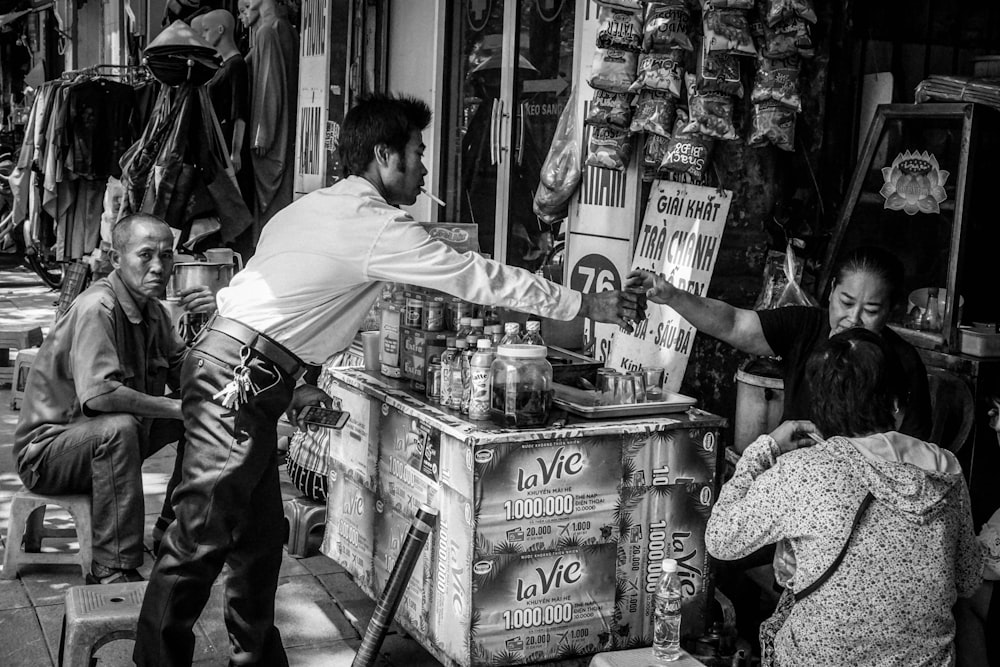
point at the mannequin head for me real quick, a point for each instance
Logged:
(248, 16)
(216, 28)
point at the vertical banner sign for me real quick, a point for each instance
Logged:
(602, 217)
(680, 237)
(310, 140)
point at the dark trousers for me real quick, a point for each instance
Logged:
(228, 507)
(102, 456)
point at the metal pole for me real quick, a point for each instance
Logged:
(420, 529)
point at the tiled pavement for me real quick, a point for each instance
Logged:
(320, 612)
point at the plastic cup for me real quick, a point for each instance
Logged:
(624, 389)
(371, 344)
(638, 385)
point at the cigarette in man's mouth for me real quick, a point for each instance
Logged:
(433, 198)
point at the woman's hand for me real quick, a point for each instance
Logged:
(793, 434)
(305, 395)
(658, 290)
(198, 299)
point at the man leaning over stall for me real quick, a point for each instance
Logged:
(320, 265)
(94, 405)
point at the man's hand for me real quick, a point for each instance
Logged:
(658, 290)
(237, 162)
(305, 395)
(615, 307)
(793, 434)
(197, 299)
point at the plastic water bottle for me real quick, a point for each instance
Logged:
(533, 335)
(479, 380)
(512, 334)
(447, 362)
(457, 382)
(667, 614)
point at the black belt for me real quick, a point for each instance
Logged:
(282, 358)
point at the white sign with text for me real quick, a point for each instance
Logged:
(680, 237)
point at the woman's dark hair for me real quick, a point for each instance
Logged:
(379, 119)
(874, 261)
(856, 382)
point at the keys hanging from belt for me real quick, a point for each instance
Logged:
(241, 388)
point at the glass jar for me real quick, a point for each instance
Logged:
(522, 386)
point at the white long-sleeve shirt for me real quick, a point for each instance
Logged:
(321, 261)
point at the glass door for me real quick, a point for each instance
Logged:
(509, 68)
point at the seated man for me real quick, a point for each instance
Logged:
(94, 404)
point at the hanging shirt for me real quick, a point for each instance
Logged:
(321, 261)
(99, 127)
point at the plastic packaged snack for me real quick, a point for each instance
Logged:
(622, 4)
(711, 113)
(728, 31)
(667, 26)
(609, 149)
(613, 70)
(687, 153)
(610, 110)
(772, 124)
(775, 11)
(730, 4)
(777, 80)
(654, 112)
(720, 73)
(788, 38)
(660, 71)
(653, 150)
(619, 28)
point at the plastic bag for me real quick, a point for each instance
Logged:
(782, 274)
(775, 11)
(660, 71)
(777, 80)
(728, 30)
(610, 110)
(711, 113)
(609, 149)
(654, 113)
(667, 26)
(772, 123)
(619, 28)
(720, 73)
(686, 153)
(560, 174)
(613, 70)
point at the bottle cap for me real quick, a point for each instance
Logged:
(450, 341)
(465, 321)
(483, 344)
(461, 343)
(471, 340)
(669, 565)
(523, 351)
(533, 325)
(477, 322)
(511, 327)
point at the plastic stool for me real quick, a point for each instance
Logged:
(22, 364)
(13, 338)
(96, 615)
(303, 515)
(27, 526)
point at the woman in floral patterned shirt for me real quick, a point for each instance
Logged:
(913, 552)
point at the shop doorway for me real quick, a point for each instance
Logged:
(508, 74)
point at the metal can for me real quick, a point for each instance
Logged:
(414, 314)
(434, 380)
(434, 316)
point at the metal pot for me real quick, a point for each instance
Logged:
(199, 274)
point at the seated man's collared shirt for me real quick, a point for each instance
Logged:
(103, 342)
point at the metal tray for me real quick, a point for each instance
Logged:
(588, 404)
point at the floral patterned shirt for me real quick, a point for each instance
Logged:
(913, 553)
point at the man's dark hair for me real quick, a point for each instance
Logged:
(122, 231)
(877, 262)
(857, 383)
(379, 119)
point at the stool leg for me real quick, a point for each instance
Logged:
(15, 534)
(85, 538)
(34, 530)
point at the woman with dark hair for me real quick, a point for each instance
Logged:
(878, 521)
(866, 285)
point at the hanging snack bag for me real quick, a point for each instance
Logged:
(654, 150)
(720, 73)
(686, 153)
(777, 80)
(775, 11)
(634, 5)
(609, 110)
(773, 123)
(609, 149)
(660, 71)
(667, 26)
(619, 28)
(613, 70)
(788, 38)
(654, 112)
(730, 4)
(711, 113)
(728, 31)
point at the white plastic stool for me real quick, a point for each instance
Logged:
(303, 516)
(96, 615)
(22, 364)
(27, 529)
